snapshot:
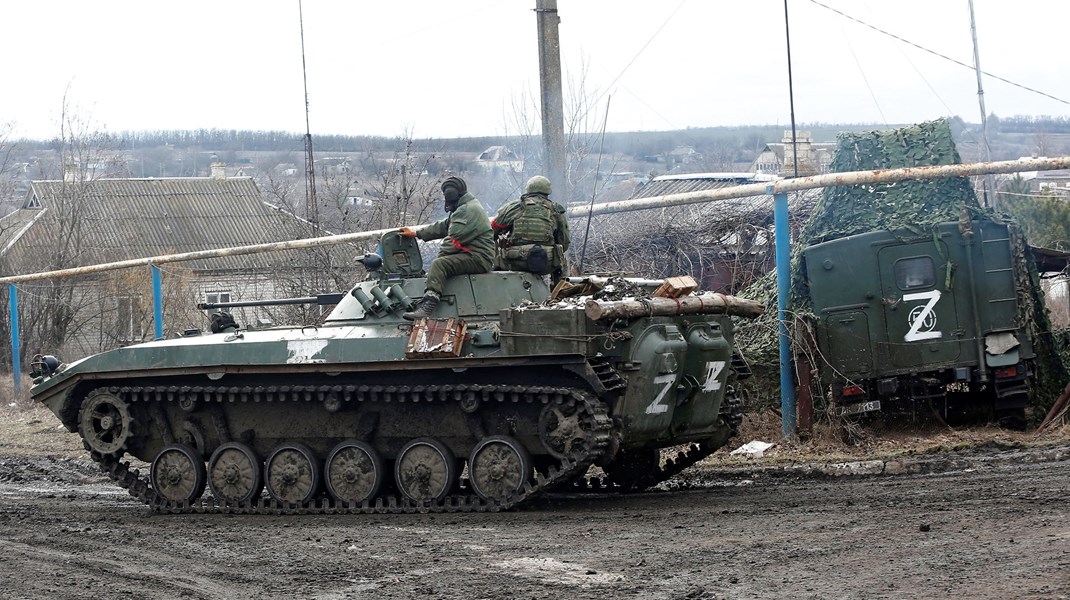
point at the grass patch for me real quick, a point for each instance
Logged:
(836, 440)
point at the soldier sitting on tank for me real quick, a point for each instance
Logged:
(532, 232)
(467, 247)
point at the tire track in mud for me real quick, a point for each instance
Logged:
(166, 582)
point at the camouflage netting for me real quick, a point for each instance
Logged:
(1049, 346)
(911, 206)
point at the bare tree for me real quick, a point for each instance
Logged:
(382, 191)
(582, 126)
(7, 158)
(401, 190)
(725, 245)
(51, 311)
(7, 150)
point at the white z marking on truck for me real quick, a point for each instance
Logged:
(713, 371)
(656, 407)
(914, 335)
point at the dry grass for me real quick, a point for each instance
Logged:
(834, 441)
(28, 429)
(7, 391)
(35, 431)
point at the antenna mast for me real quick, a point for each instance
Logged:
(311, 211)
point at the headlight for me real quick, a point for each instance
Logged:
(44, 366)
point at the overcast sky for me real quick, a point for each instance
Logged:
(448, 68)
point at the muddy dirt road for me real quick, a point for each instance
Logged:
(987, 531)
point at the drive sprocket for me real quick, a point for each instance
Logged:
(106, 423)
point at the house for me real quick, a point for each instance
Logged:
(683, 155)
(63, 224)
(725, 244)
(1055, 183)
(335, 165)
(499, 157)
(779, 158)
(1044, 183)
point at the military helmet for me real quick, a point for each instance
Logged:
(538, 185)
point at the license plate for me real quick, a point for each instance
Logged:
(859, 408)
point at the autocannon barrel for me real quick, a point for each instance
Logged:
(322, 299)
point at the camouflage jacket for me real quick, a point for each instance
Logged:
(465, 230)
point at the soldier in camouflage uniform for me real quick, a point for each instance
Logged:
(467, 247)
(532, 232)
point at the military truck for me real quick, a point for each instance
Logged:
(497, 398)
(909, 321)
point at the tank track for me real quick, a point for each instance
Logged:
(595, 417)
(683, 459)
(731, 413)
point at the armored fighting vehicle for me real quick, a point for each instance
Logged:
(495, 399)
(938, 318)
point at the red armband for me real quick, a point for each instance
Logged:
(459, 246)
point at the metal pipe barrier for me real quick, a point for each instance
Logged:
(778, 189)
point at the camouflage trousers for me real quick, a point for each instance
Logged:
(446, 266)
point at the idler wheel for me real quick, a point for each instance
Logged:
(498, 467)
(425, 470)
(105, 423)
(234, 474)
(353, 472)
(292, 474)
(178, 474)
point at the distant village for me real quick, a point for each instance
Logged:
(68, 203)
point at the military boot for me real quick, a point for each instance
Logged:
(424, 309)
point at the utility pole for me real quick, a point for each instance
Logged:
(311, 206)
(553, 119)
(989, 197)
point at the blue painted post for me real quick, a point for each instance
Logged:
(16, 361)
(157, 301)
(783, 290)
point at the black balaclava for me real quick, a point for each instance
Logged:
(452, 189)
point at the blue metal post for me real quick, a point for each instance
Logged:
(783, 290)
(16, 361)
(157, 301)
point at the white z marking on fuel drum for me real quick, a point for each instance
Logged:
(656, 407)
(914, 335)
(713, 371)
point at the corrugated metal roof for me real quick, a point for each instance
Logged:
(123, 219)
(695, 182)
(704, 216)
(14, 225)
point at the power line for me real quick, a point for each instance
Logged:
(865, 79)
(934, 53)
(640, 52)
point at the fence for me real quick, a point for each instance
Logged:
(778, 189)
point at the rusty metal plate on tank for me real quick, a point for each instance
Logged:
(436, 338)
